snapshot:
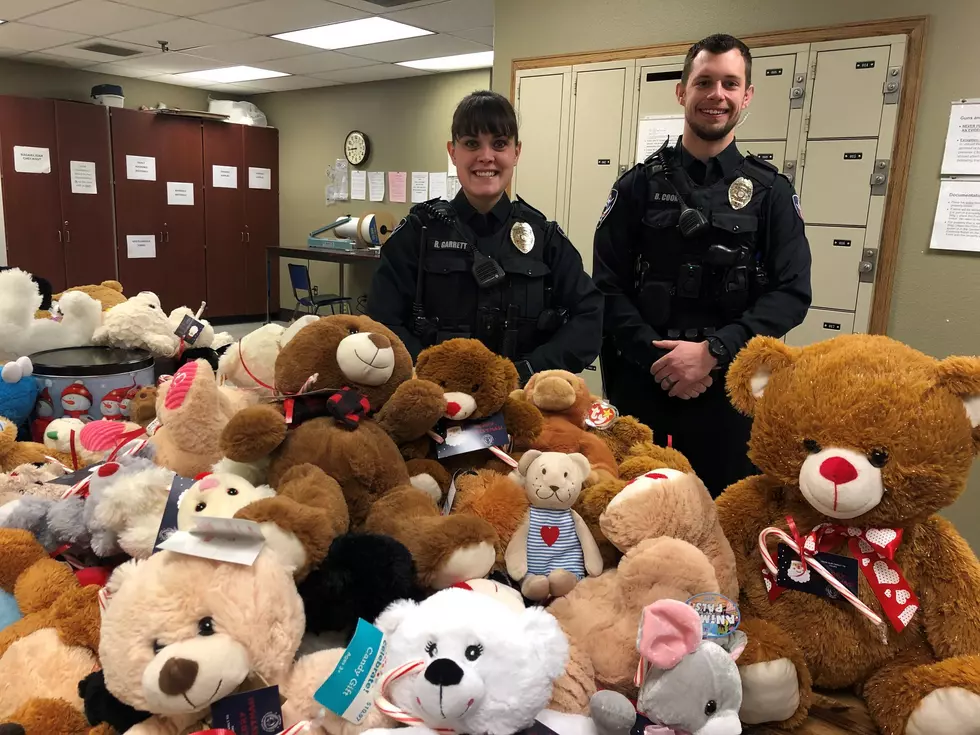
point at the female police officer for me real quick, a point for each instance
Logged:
(483, 266)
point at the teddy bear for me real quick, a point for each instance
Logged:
(552, 549)
(142, 404)
(107, 293)
(347, 399)
(14, 453)
(250, 363)
(497, 499)
(53, 646)
(860, 440)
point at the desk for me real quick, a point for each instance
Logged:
(307, 253)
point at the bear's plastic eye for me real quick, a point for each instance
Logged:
(430, 648)
(351, 330)
(199, 507)
(544, 471)
(711, 707)
(566, 474)
(878, 457)
(205, 626)
(474, 652)
(476, 388)
(157, 647)
(232, 491)
(811, 446)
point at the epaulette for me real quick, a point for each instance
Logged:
(520, 204)
(763, 170)
(434, 209)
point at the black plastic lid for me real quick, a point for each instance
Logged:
(89, 361)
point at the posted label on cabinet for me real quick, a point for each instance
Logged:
(259, 178)
(31, 160)
(83, 177)
(141, 246)
(141, 168)
(180, 193)
(224, 177)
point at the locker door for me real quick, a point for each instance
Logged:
(767, 117)
(836, 253)
(821, 324)
(658, 90)
(539, 177)
(848, 93)
(836, 184)
(773, 151)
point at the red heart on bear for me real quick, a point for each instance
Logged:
(549, 534)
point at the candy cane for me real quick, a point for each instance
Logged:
(399, 715)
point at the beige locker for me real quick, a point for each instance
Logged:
(837, 181)
(836, 253)
(773, 151)
(767, 116)
(821, 324)
(848, 93)
(658, 90)
(539, 177)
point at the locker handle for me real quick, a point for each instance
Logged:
(59, 236)
(67, 236)
(248, 237)
(167, 233)
(242, 236)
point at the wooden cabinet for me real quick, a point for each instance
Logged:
(54, 229)
(261, 213)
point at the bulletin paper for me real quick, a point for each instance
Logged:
(180, 193)
(31, 160)
(259, 178)
(83, 177)
(957, 223)
(141, 246)
(141, 168)
(437, 185)
(224, 177)
(358, 185)
(420, 186)
(376, 185)
(396, 185)
(962, 153)
(654, 130)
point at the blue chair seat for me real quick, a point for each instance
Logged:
(299, 278)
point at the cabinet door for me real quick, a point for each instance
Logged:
(848, 93)
(31, 200)
(542, 104)
(261, 213)
(84, 161)
(225, 219)
(767, 117)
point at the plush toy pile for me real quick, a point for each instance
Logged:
(268, 524)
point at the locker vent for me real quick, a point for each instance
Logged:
(663, 76)
(109, 49)
(391, 3)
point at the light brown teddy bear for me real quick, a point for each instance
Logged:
(107, 293)
(860, 440)
(14, 453)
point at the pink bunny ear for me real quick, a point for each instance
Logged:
(669, 630)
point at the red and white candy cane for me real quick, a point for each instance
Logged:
(396, 713)
(301, 726)
(811, 560)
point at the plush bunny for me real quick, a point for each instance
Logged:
(687, 684)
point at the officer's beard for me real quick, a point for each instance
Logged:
(712, 134)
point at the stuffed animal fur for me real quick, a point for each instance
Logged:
(14, 453)
(865, 433)
(18, 390)
(107, 293)
(138, 323)
(250, 363)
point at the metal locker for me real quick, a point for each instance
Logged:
(837, 181)
(773, 151)
(848, 93)
(767, 116)
(658, 90)
(537, 177)
(821, 324)
(836, 253)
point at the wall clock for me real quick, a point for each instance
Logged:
(357, 147)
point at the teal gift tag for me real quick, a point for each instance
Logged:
(719, 615)
(349, 690)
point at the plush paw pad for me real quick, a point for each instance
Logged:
(946, 711)
(427, 484)
(469, 562)
(770, 692)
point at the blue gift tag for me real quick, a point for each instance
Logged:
(349, 690)
(462, 437)
(719, 615)
(258, 712)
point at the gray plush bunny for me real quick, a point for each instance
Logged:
(688, 686)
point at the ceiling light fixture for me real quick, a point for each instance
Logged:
(353, 33)
(232, 74)
(479, 60)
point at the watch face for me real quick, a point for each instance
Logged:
(356, 147)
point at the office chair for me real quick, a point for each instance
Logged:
(299, 279)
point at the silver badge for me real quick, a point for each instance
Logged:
(740, 192)
(522, 236)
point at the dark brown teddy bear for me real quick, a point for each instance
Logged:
(358, 403)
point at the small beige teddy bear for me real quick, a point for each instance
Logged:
(553, 548)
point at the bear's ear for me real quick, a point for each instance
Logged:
(550, 646)
(581, 463)
(508, 372)
(421, 360)
(751, 369)
(526, 459)
(119, 575)
(961, 377)
(393, 615)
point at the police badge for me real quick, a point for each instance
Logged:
(522, 236)
(740, 192)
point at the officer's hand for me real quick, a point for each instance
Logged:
(686, 391)
(687, 363)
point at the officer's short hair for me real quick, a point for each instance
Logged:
(484, 112)
(718, 43)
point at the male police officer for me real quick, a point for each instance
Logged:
(697, 250)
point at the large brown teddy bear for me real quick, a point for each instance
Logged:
(871, 438)
(360, 370)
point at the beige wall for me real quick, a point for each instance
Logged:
(936, 299)
(407, 121)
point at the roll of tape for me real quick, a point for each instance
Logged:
(371, 230)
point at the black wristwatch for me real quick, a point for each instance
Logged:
(717, 349)
(524, 371)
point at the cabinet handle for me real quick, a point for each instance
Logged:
(168, 235)
(242, 235)
(248, 237)
(59, 235)
(67, 236)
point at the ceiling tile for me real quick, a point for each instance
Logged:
(97, 17)
(255, 49)
(279, 16)
(178, 80)
(370, 73)
(451, 15)
(121, 70)
(39, 57)
(480, 35)
(5, 52)
(181, 34)
(33, 38)
(169, 63)
(183, 7)
(73, 51)
(375, 8)
(318, 62)
(423, 47)
(283, 84)
(228, 91)
(15, 9)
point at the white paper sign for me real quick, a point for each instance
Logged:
(224, 177)
(141, 246)
(180, 193)
(231, 540)
(962, 153)
(376, 185)
(957, 223)
(420, 186)
(142, 168)
(259, 178)
(83, 177)
(358, 185)
(30, 160)
(452, 187)
(654, 130)
(437, 185)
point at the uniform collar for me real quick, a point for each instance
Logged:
(717, 167)
(492, 219)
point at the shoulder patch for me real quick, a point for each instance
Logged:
(796, 205)
(610, 203)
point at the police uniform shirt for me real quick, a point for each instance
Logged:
(573, 347)
(785, 256)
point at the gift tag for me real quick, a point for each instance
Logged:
(168, 524)
(602, 415)
(462, 437)
(793, 576)
(232, 540)
(257, 712)
(719, 615)
(350, 690)
(189, 329)
(447, 505)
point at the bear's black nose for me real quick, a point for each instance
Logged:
(12, 728)
(443, 672)
(178, 676)
(554, 488)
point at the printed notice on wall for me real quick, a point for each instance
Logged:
(259, 178)
(83, 177)
(376, 186)
(180, 193)
(420, 186)
(143, 168)
(358, 185)
(437, 185)
(224, 177)
(655, 130)
(957, 224)
(141, 246)
(31, 160)
(396, 185)
(962, 154)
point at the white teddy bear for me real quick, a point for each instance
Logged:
(217, 495)
(250, 363)
(138, 322)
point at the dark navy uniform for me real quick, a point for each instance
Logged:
(743, 270)
(544, 309)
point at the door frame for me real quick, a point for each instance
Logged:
(912, 28)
